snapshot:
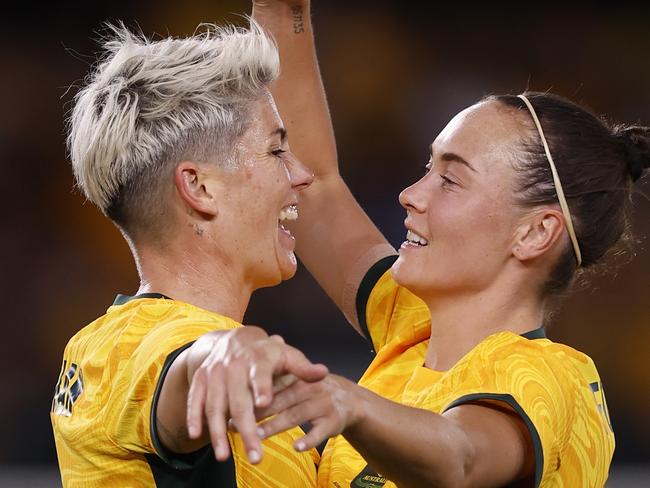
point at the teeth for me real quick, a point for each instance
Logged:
(290, 212)
(415, 238)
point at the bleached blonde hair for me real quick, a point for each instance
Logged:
(148, 104)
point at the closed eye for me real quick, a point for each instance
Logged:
(278, 153)
(447, 181)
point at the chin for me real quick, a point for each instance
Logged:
(287, 275)
(288, 268)
(408, 278)
(399, 272)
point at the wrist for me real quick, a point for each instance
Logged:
(296, 12)
(279, 5)
(245, 335)
(359, 407)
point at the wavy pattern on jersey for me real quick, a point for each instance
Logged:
(122, 354)
(550, 382)
(277, 450)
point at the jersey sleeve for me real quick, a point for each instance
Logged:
(388, 312)
(137, 376)
(532, 384)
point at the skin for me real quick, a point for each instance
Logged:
(470, 445)
(224, 243)
(483, 266)
(465, 207)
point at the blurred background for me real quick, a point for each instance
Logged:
(395, 73)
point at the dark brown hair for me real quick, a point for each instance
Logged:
(597, 163)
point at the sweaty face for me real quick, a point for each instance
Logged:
(461, 215)
(257, 197)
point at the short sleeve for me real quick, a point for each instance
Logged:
(389, 312)
(138, 368)
(534, 385)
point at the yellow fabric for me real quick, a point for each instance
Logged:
(102, 436)
(553, 384)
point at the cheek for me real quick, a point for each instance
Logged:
(479, 224)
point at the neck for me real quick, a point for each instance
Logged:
(197, 277)
(460, 322)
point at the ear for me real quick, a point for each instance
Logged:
(191, 182)
(538, 235)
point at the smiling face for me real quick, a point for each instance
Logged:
(255, 197)
(461, 216)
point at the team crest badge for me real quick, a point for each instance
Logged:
(368, 478)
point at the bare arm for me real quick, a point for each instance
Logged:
(335, 238)
(224, 374)
(469, 445)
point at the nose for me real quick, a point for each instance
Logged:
(301, 176)
(412, 198)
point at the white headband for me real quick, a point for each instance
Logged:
(556, 181)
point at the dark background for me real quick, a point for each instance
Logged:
(395, 73)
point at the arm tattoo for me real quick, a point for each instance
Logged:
(298, 24)
(173, 441)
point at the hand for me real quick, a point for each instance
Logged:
(235, 377)
(332, 405)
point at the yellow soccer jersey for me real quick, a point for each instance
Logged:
(555, 389)
(106, 394)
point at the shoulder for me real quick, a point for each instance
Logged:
(508, 360)
(162, 326)
(143, 327)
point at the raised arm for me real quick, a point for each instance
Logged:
(335, 238)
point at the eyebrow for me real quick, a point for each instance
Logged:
(453, 157)
(281, 131)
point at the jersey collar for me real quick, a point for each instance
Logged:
(539, 333)
(122, 299)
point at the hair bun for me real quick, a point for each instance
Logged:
(636, 140)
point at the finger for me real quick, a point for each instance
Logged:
(241, 406)
(298, 392)
(273, 358)
(277, 338)
(216, 411)
(195, 404)
(321, 430)
(306, 411)
(261, 380)
(283, 382)
(297, 364)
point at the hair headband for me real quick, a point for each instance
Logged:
(556, 182)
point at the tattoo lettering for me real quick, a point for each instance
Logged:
(298, 24)
(172, 441)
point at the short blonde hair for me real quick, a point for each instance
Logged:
(147, 104)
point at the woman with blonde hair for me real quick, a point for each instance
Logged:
(179, 143)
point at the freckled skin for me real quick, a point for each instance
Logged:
(253, 194)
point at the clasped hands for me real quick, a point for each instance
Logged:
(259, 386)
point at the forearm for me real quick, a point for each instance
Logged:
(338, 242)
(410, 446)
(335, 239)
(470, 445)
(172, 403)
(299, 92)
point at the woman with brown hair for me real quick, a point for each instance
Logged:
(523, 193)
